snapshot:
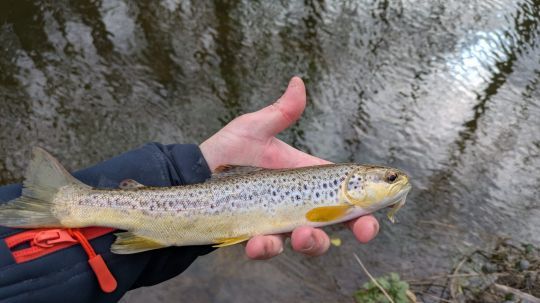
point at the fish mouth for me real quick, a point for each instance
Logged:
(400, 201)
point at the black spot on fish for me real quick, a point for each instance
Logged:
(287, 193)
(331, 194)
(305, 187)
(297, 197)
(212, 206)
(250, 197)
(324, 185)
(273, 193)
(317, 194)
(335, 182)
(152, 207)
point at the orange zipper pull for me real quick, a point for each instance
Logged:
(106, 280)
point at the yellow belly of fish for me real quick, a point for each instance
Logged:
(169, 229)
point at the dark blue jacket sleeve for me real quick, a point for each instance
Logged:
(65, 276)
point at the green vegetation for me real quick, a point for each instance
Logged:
(397, 289)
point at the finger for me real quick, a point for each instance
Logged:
(264, 247)
(279, 154)
(285, 111)
(310, 241)
(364, 228)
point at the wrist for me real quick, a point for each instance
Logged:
(209, 154)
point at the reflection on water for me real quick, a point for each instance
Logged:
(447, 91)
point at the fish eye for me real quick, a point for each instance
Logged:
(391, 177)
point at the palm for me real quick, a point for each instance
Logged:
(250, 140)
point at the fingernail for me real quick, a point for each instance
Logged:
(376, 227)
(309, 244)
(268, 249)
(292, 83)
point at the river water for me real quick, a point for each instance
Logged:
(446, 90)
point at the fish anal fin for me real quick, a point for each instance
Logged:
(223, 242)
(130, 243)
(130, 184)
(327, 213)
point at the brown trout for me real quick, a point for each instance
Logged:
(233, 206)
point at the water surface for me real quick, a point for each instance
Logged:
(446, 90)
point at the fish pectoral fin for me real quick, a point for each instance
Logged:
(327, 213)
(130, 184)
(130, 243)
(222, 242)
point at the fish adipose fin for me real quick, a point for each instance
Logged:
(44, 177)
(223, 242)
(327, 213)
(130, 243)
(130, 184)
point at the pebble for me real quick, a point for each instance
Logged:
(524, 264)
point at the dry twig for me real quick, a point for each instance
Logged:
(453, 282)
(516, 292)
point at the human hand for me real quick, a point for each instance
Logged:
(250, 140)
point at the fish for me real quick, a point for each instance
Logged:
(235, 204)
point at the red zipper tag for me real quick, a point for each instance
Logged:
(46, 241)
(106, 280)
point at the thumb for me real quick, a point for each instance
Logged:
(274, 118)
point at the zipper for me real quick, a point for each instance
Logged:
(42, 242)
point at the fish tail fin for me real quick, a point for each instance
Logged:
(35, 208)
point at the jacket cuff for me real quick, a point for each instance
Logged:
(188, 163)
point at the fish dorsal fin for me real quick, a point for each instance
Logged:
(130, 184)
(130, 243)
(228, 170)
